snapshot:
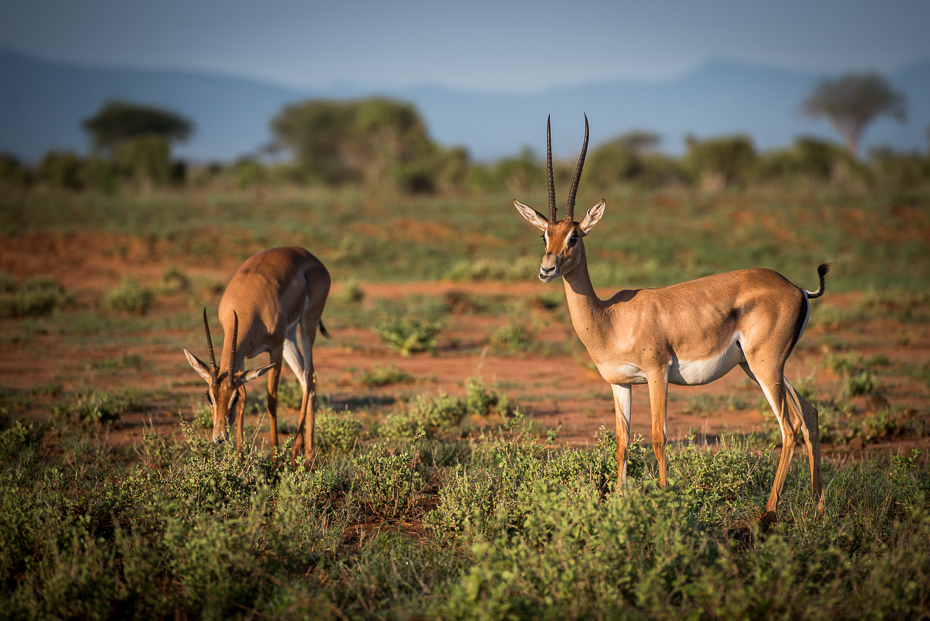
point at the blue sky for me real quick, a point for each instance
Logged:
(478, 45)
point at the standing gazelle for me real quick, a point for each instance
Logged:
(687, 334)
(268, 297)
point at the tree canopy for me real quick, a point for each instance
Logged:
(852, 101)
(119, 122)
(373, 140)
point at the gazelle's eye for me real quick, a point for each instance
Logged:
(572, 241)
(543, 237)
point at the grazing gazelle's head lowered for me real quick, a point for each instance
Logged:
(226, 389)
(271, 295)
(563, 238)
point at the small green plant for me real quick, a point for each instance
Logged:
(124, 361)
(203, 415)
(290, 394)
(8, 284)
(481, 402)
(425, 415)
(130, 297)
(879, 425)
(387, 484)
(409, 336)
(351, 292)
(384, 376)
(859, 384)
(337, 431)
(37, 297)
(516, 336)
(99, 406)
(174, 280)
(491, 269)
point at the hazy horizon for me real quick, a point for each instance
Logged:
(513, 47)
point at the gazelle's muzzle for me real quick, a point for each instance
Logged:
(549, 269)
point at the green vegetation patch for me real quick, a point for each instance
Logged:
(496, 527)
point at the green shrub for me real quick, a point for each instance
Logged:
(130, 297)
(337, 431)
(492, 269)
(425, 415)
(479, 401)
(100, 406)
(516, 336)
(720, 162)
(383, 376)
(37, 297)
(386, 483)
(203, 415)
(859, 384)
(408, 336)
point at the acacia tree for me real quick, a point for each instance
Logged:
(373, 141)
(852, 101)
(118, 122)
(138, 139)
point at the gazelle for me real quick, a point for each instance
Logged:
(687, 334)
(268, 297)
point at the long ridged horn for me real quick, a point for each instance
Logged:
(206, 328)
(549, 170)
(232, 350)
(570, 207)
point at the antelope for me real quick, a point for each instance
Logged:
(268, 297)
(688, 334)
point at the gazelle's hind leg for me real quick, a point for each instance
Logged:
(296, 363)
(309, 324)
(810, 429)
(772, 383)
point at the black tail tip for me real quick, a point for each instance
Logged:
(323, 330)
(823, 269)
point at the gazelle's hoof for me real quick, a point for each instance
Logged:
(767, 521)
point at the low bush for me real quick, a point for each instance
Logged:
(130, 297)
(409, 336)
(36, 297)
(384, 376)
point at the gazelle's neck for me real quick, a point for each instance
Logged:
(587, 312)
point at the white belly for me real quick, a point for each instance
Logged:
(704, 371)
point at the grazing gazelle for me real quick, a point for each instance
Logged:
(687, 334)
(268, 297)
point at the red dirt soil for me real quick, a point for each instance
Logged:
(555, 391)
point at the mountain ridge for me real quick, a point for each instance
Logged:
(44, 101)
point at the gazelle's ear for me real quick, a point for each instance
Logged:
(248, 376)
(532, 216)
(593, 216)
(203, 370)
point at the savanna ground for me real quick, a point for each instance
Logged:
(463, 470)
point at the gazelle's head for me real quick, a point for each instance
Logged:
(226, 390)
(563, 238)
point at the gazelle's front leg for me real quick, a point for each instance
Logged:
(240, 414)
(623, 399)
(274, 376)
(658, 401)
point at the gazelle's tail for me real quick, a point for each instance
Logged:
(822, 270)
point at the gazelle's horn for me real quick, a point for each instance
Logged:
(549, 170)
(570, 207)
(206, 328)
(232, 351)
